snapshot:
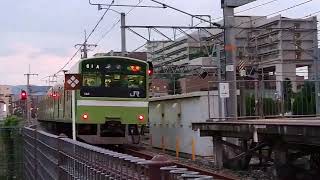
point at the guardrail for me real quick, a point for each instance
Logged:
(50, 157)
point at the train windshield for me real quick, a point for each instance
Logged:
(113, 79)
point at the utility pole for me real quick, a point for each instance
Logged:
(123, 34)
(28, 102)
(217, 61)
(84, 47)
(231, 64)
(230, 49)
(316, 68)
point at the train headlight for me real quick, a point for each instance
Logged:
(140, 117)
(85, 116)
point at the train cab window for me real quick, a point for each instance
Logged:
(136, 81)
(91, 80)
(114, 78)
(124, 81)
(107, 80)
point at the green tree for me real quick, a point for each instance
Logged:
(270, 106)
(250, 105)
(304, 101)
(11, 121)
(287, 95)
(10, 140)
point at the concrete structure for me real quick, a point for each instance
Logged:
(5, 97)
(277, 44)
(159, 87)
(170, 117)
(287, 139)
(190, 84)
(3, 110)
(178, 52)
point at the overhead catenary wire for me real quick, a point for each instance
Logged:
(263, 4)
(257, 6)
(125, 5)
(87, 38)
(184, 12)
(248, 9)
(274, 13)
(277, 12)
(117, 22)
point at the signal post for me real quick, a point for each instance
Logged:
(73, 82)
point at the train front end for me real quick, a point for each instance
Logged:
(112, 104)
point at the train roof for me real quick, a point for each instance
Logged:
(74, 68)
(116, 57)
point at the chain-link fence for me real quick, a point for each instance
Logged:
(272, 98)
(11, 161)
(255, 98)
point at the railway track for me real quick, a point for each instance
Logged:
(143, 153)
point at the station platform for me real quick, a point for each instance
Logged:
(281, 142)
(300, 130)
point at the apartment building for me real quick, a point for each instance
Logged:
(278, 45)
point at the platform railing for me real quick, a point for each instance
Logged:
(260, 99)
(50, 157)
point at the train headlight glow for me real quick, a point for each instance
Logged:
(85, 116)
(141, 117)
(135, 68)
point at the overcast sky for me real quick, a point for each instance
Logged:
(43, 33)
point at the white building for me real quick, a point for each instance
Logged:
(5, 94)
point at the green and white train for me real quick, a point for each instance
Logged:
(111, 105)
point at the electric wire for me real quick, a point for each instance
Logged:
(87, 38)
(274, 13)
(117, 22)
(248, 9)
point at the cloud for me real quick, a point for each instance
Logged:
(14, 66)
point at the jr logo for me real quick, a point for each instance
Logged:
(135, 94)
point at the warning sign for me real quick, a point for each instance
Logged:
(224, 90)
(72, 81)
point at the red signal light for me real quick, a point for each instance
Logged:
(141, 117)
(54, 95)
(150, 70)
(23, 95)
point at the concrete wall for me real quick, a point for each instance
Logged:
(171, 118)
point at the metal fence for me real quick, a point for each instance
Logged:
(10, 153)
(263, 98)
(50, 157)
(272, 99)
